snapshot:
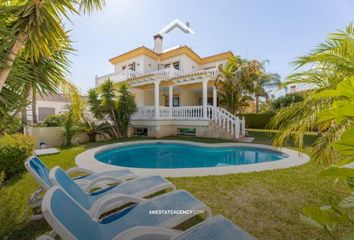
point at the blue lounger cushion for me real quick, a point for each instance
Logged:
(139, 187)
(41, 173)
(71, 221)
(215, 228)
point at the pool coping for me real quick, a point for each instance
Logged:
(87, 160)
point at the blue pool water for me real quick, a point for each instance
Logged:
(172, 155)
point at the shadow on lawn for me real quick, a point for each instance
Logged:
(31, 229)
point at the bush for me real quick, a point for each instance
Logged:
(14, 149)
(286, 100)
(257, 120)
(13, 213)
(55, 120)
(10, 125)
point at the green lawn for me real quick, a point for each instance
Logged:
(267, 204)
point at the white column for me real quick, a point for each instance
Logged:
(157, 99)
(170, 99)
(205, 97)
(215, 95)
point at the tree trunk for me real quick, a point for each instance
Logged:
(34, 107)
(257, 104)
(14, 51)
(24, 115)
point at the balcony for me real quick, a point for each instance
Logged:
(174, 113)
(166, 73)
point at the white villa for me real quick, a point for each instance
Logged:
(175, 93)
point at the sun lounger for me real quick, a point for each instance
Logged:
(41, 174)
(124, 193)
(71, 221)
(215, 228)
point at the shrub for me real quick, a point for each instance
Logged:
(10, 125)
(14, 149)
(13, 213)
(55, 120)
(286, 100)
(257, 120)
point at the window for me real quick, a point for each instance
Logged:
(186, 131)
(140, 131)
(175, 65)
(43, 112)
(175, 101)
(131, 66)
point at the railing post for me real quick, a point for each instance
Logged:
(157, 99)
(237, 132)
(170, 70)
(205, 97)
(170, 100)
(243, 123)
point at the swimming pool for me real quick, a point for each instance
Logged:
(177, 155)
(198, 159)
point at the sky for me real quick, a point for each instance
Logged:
(274, 30)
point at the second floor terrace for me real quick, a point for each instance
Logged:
(167, 73)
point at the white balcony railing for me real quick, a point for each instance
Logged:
(178, 113)
(166, 72)
(169, 72)
(224, 119)
(118, 76)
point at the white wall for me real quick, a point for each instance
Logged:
(150, 64)
(213, 64)
(139, 64)
(138, 95)
(187, 65)
(59, 107)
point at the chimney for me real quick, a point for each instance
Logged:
(158, 43)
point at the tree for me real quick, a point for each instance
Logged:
(286, 101)
(70, 123)
(34, 29)
(262, 81)
(93, 129)
(125, 108)
(113, 106)
(329, 64)
(28, 78)
(233, 88)
(329, 218)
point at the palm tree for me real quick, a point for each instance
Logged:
(113, 104)
(46, 76)
(126, 106)
(262, 80)
(34, 29)
(330, 63)
(10, 103)
(233, 87)
(93, 129)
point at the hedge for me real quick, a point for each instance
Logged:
(257, 120)
(14, 150)
(54, 120)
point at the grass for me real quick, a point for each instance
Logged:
(267, 204)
